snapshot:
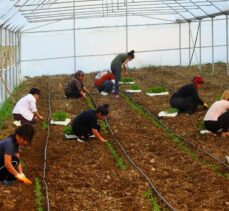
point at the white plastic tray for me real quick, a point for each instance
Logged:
(70, 136)
(126, 83)
(132, 91)
(157, 94)
(17, 123)
(165, 114)
(66, 122)
(227, 158)
(205, 131)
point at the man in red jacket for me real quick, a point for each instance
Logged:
(104, 83)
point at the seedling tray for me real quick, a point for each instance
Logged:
(71, 136)
(127, 83)
(166, 114)
(66, 122)
(133, 91)
(156, 94)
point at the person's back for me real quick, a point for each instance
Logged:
(86, 119)
(119, 59)
(26, 106)
(185, 91)
(216, 109)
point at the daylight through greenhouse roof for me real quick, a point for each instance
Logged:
(57, 10)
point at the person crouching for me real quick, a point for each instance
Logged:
(85, 124)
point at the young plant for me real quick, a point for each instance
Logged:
(103, 126)
(171, 110)
(127, 80)
(59, 116)
(38, 195)
(134, 87)
(119, 161)
(157, 89)
(44, 125)
(201, 125)
(154, 205)
(68, 130)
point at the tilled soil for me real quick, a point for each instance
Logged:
(84, 176)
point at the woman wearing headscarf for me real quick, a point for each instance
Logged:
(187, 99)
(217, 117)
(75, 87)
(119, 62)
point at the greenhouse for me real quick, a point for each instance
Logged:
(125, 66)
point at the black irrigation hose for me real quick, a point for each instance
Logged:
(180, 137)
(45, 151)
(135, 165)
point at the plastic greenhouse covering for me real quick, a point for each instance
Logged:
(10, 17)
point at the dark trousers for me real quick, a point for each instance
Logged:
(83, 131)
(116, 70)
(4, 173)
(222, 123)
(184, 105)
(107, 86)
(19, 117)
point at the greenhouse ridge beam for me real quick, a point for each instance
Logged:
(213, 15)
(187, 10)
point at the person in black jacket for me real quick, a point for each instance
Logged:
(86, 125)
(186, 99)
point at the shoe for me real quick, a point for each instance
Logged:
(17, 123)
(104, 93)
(91, 136)
(82, 139)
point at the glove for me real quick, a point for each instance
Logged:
(205, 105)
(21, 177)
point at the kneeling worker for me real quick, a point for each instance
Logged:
(25, 109)
(85, 124)
(10, 166)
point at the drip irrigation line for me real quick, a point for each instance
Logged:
(135, 165)
(180, 137)
(45, 151)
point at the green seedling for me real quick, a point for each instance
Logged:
(44, 125)
(127, 80)
(134, 87)
(201, 125)
(119, 161)
(103, 126)
(39, 200)
(68, 130)
(171, 110)
(218, 97)
(173, 136)
(157, 89)
(152, 200)
(59, 116)
(7, 107)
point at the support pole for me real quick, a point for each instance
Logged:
(213, 65)
(227, 43)
(180, 53)
(74, 34)
(126, 25)
(200, 49)
(189, 43)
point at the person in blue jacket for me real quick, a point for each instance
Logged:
(10, 166)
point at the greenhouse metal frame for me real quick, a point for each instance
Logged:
(16, 14)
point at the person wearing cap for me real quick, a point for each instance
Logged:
(86, 125)
(10, 166)
(75, 87)
(25, 109)
(217, 116)
(104, 82)
(119, 62)
(186, 99)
